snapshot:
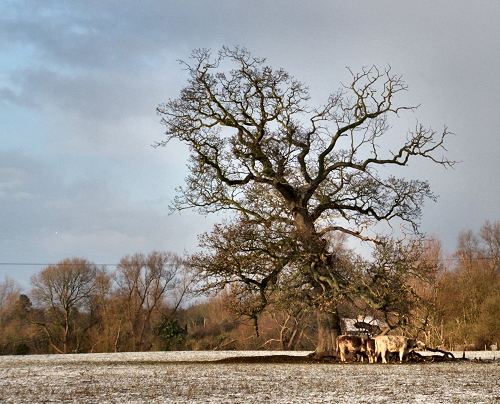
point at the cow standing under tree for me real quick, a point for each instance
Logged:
(385, 344)
(358, 346)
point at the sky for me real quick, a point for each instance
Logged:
(80, 82)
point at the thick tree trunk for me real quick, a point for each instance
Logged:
(328, 320)
(328, 331)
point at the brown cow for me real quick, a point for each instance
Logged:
(394, 343)
(350, 343)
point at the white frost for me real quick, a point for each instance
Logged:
(159, 377)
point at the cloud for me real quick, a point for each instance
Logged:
(80, 81)
(48, 217)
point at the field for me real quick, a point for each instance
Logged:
(196, 377)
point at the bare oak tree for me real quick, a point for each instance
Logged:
(258, 148)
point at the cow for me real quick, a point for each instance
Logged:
(350, 343)
(394, 343)
(370, 350)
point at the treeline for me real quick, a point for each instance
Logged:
(145, 304)
(75, 306)
(462, 307)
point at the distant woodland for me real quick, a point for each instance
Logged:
(151, 302)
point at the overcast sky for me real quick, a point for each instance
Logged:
(80, 81)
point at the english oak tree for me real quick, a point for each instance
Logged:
(258, 148)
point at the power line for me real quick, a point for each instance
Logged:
(39, 264)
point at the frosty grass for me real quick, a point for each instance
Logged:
(178, 377)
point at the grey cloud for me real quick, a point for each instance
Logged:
(96, 97)
(48, 217)
(10, 96)
(107, 34)
(98, 34)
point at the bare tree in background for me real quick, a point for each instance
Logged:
(143, 284)
(258, 148)
(9, 292)
(490, 234)
(465, 298)
(63, 289)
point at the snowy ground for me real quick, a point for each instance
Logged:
(181, 377)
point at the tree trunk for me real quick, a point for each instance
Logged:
(49, 337)
(66, 331)
(328, 319)
(328, 331)
(117, 339)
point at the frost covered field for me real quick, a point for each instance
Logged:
(195, 377)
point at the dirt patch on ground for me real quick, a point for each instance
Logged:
(271, 359)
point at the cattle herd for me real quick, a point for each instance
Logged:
(373, 348)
